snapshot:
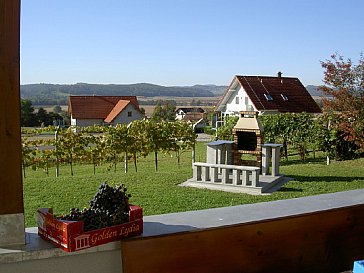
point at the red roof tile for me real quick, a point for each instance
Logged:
(96, 107)
(119, 107)
(287, 94)
(193, 116)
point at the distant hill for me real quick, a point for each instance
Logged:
(314, 91)
(57, 94)
(52, 94)
(217, 90)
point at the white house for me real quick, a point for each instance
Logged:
(103, 110)
(266, 95)
(183, 111)
(195, 115)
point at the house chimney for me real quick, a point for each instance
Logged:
(279, 74)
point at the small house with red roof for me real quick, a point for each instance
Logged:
(103, 110)
(195, 115)
(266, 95)
(184, 113)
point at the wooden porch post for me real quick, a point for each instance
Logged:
(11, 186)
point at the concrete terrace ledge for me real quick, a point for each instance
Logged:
(158, 225)
(40, 256)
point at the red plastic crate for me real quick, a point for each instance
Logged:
(69, 235)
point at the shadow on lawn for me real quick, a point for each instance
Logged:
(315, 179)
(289, 189)
(289, 162)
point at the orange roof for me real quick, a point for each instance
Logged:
(119, 107)
(285, 94)
(96, 107)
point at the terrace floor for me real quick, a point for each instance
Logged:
(267, 184)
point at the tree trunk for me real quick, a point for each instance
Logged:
(193, 153)
(178, 154)
(57, 167)
(135, 162)
(57, 160)
(285, 149)
(71, 165)
(23, 168)
(126, 162)
(94, 163)
(156, 161)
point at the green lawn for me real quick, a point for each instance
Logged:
(158, 193)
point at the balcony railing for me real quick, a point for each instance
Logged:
(226, 174)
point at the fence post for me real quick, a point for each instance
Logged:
(236, 177)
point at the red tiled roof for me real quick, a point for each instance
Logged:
(297, 99)
(191, 116)
(96, 107)
(119, 107)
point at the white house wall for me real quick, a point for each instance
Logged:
(124, 118)
(86, 122)
(180, 114)
(244, 103)
(73, 121)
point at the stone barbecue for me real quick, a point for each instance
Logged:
(244, 165)
(248, 140)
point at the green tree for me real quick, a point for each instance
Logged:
(71, 145)
(226, 131)
(158, 112)
(45, 118)
(138, 137)
(156, 137)
(27, 116)
(164, 110)
(28, 154)
(117, 142)
(298, 130)
(301, 131)
(344, 83)
(95, 150)
(57, 109)
(42, 116)
(182, 137)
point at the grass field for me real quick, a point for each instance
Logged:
(159, 193)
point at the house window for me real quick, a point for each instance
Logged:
(284, 97)
(130, 113)
(246, 100)
(268, 97)
(237, 100)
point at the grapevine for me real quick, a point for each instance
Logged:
(97, 144)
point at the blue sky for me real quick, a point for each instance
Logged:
(184, 42)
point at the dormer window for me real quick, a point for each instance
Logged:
(268, 97)
(284, 97)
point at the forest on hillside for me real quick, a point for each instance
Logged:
(57, 94)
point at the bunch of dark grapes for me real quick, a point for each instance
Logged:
(74, 215)
(108, 207)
